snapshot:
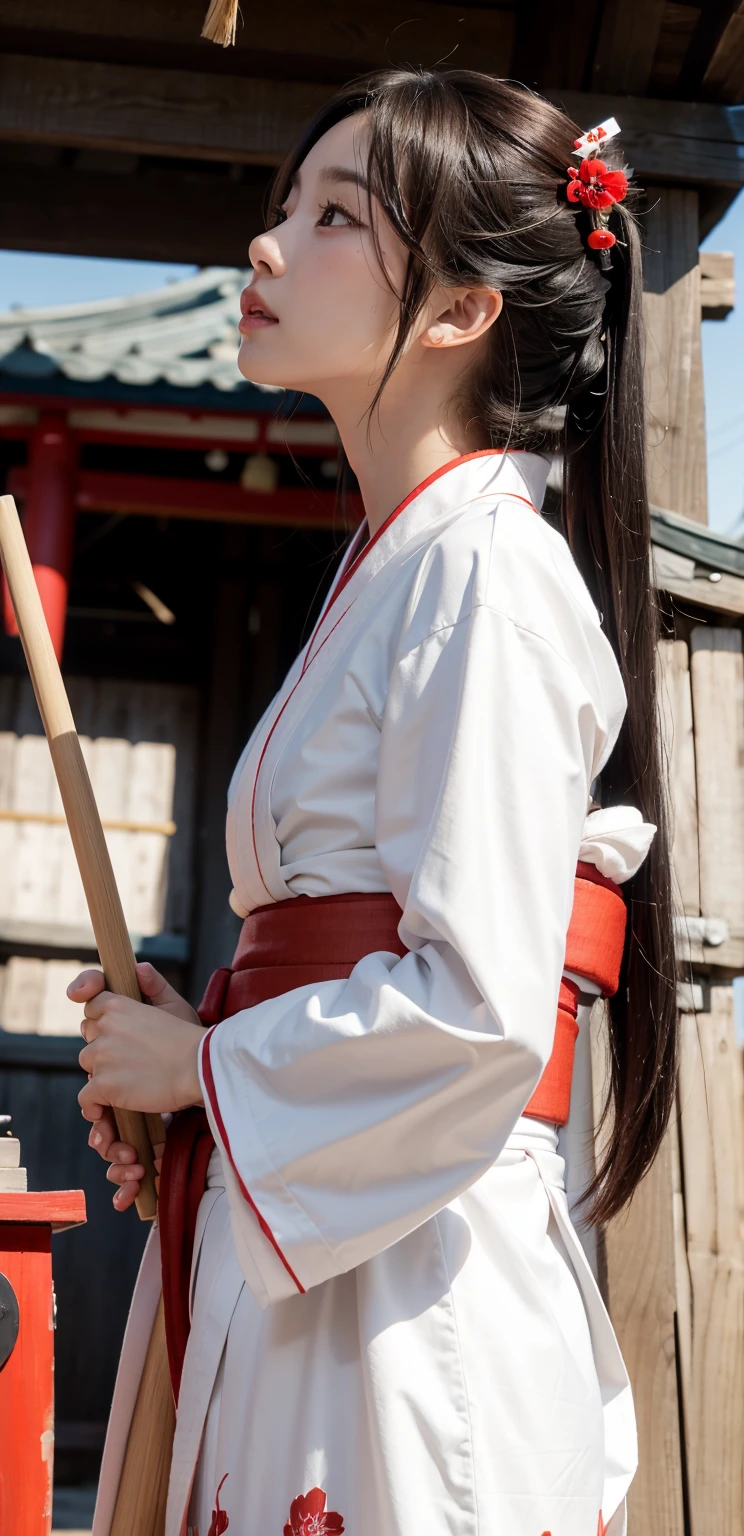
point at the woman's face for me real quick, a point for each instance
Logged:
(319, 312)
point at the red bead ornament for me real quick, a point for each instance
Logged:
(600, 240)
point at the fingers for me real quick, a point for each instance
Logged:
(122, 1174)
(155, 987)
(111, 1150)
(103, 1134)
(85, 986)
(126, 1196)
(91, 1107)
(96, 1006)
(156, 990)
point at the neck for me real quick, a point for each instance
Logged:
(413, 434)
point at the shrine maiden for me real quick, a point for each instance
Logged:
(384, 1319)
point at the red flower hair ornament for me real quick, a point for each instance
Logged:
(308, 1516)
(596, 188)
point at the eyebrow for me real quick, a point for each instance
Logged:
(337, 174)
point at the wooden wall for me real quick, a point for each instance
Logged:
(140, 743)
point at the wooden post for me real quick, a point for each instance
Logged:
(217, 927)
(50, 520)
(674, 370)
(711, 1095)
(679, 746)
(640, 1258)
(717, 672)
(638, 1280)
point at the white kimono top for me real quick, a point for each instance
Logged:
(390, 1303)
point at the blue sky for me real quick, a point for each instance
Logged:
(723, 350)
(28, 278)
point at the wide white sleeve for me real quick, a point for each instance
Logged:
(349, 1112)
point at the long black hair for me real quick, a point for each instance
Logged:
(471, 174)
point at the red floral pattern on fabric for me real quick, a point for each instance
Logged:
(594, 186)
(219, 1522)
(308, 1516)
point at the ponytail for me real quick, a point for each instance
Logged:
(608, 529)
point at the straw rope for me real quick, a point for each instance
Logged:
(221, 21)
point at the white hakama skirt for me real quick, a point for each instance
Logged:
(465, 1382)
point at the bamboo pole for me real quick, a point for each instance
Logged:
(140, 1507)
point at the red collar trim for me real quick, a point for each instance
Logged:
(480, 453)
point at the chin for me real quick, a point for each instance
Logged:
(259, 370)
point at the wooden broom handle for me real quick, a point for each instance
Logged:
(81, 811)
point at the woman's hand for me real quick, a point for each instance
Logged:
(138, 1057)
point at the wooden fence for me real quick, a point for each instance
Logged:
(674, 1263)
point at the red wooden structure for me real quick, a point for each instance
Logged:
(27, 1220)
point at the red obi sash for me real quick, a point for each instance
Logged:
(312, 939)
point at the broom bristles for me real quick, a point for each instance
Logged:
(221, 21)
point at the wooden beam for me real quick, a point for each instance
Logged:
(674, 370)
(668, 141)
(146, 216)
(152, 111)
(717, 284)
(541, 56)
(294, 41)
(627, 41)
(677, 575)
(724, 76)
(212, 501)
(194, 115)
(713, 46)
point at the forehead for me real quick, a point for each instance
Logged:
(345, 144)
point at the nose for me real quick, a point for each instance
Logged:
(265, 256)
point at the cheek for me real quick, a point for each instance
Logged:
(338, 318)
(344, 300)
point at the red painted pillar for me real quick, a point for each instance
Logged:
(27, 1370)
(49, 520)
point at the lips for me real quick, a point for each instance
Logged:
(254, 312)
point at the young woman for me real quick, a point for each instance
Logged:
(394, 1327)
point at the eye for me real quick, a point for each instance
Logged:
(277, 215)
(335, 216)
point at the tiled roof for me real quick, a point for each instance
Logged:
(184, 335)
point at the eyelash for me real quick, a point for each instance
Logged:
(279, 216)
(336, 207)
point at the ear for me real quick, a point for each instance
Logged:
(465, 316)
